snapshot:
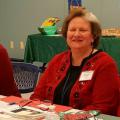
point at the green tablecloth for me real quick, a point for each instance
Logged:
(111, 45)
(42, 48)
(108, 117)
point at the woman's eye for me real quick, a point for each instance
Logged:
(83, 30)
(72, 30)
(80, 30)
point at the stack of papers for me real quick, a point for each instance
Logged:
(22, 113)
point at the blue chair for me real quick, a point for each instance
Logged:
(25, 75)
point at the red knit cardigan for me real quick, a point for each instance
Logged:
(98, 93)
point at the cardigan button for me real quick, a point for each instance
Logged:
(76, 94)
(49, 89)
(88, 64)
(62, 68)
(67, 61)
(58, 77)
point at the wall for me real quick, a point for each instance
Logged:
(106, 10)
(19, 18)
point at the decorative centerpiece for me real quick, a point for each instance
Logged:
(49, 27)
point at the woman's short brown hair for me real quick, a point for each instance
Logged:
(91, 18)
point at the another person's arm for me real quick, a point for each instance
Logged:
(7, 84)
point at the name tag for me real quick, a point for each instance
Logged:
(86, 75)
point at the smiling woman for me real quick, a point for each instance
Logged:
(79, 35)
(79, 77)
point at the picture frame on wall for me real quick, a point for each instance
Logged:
(74, 4)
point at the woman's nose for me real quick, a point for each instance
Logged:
(77, 33)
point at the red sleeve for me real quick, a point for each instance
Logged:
(7, 83)
(40, 90)
(105, 90)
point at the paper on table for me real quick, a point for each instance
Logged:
(5, 109)
(4, 106)
(72, 111)
(60, 108)
(20, 112)
(4, 116)
(2, 96)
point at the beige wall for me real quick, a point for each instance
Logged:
(18, 18)
(106, 10)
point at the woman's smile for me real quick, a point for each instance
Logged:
(79, 33)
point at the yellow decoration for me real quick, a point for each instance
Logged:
(50, 21)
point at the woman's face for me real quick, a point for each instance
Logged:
(79, 34)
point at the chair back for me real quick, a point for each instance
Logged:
(25, 76)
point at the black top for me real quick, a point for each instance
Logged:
(62, 92)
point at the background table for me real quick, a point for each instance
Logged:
(111, 45)
(42, 48)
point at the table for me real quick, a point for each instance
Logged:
(111, 45)
(14, 99)
(42, 48)
(108, 117)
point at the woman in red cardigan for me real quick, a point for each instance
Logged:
(82, 77)
(7, 83)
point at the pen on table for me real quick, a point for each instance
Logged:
(12, 103)
(25, 103)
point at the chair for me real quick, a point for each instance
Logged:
(25, 75)
(17, 59)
